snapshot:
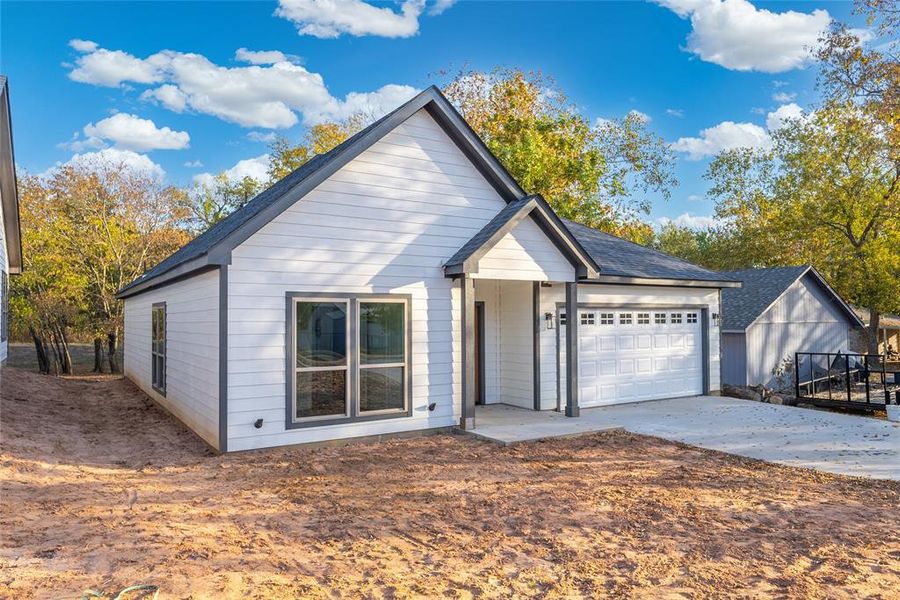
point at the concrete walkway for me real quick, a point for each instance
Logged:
(802, 437)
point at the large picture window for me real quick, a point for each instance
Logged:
(350, 358)
(158, 347)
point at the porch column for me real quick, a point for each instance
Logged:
(467, 304)
(572, 408)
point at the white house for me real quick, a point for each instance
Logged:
(779, 311)
(10, 240)
(397, 281)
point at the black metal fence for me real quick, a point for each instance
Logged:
(845, 380)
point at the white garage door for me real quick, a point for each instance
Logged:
(632, 355)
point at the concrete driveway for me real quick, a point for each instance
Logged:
(801, 437)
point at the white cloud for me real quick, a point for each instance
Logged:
(641, 116)
(193, 164)
(737, 35)
(694, 198)
(729, 135)
(784, 97)
(724, 136)
(261, 57)
(778, 83)
(83, 45)
(440, 6)
(689, 220)
(255, 168)
(114, 157)
(331, 18)
(268, 96)
(779, 117)
(169, 96)
(675, 112)
(259, 136)
(130, 132)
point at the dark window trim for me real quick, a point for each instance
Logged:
(353, 416)
(161, 389)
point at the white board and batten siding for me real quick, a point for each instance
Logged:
(804, 319)
(192, 350)
(614, 297)
(384, 223)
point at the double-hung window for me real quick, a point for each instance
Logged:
(349, 357)
(158, 347)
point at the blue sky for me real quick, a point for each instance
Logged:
(88, 78)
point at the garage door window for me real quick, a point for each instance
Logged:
(607, 319)
(643, 318)
(676, 318)
(659, 318)
(692, 317)
(625, 319)
(587, 318)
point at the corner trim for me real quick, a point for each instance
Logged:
(572, 392)
(536, 341)
(223, 358)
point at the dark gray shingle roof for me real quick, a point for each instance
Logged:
(761, 287)
(620, 257)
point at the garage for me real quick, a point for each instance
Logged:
(635, 354)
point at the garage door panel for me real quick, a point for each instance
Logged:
(633, 355)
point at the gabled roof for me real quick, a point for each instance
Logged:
(213, 247)
(762, 288)
(623, 261)
(8, 188)
(466, 258)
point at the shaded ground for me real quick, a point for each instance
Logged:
(102, 489)
(24, 357)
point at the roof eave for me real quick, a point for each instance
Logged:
(8, 185)
(666, 281)
(195, 266)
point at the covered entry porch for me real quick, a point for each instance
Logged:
(499, 273)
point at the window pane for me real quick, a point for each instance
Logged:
(321, 393)
(321, 334)
(381, 333)
(381, 388)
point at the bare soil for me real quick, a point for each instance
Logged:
(101, 489)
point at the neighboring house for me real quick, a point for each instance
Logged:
(888, 332)
(395, 282)
(778, 312)
(10, 240)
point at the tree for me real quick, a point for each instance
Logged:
(210, 202)
(284, 157)
(90, 230)
(591, 173)
(827, 194)
(48, 298)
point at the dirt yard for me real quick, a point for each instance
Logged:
(101, 489)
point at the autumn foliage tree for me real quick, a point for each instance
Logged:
(593, 173)
(88, 231)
